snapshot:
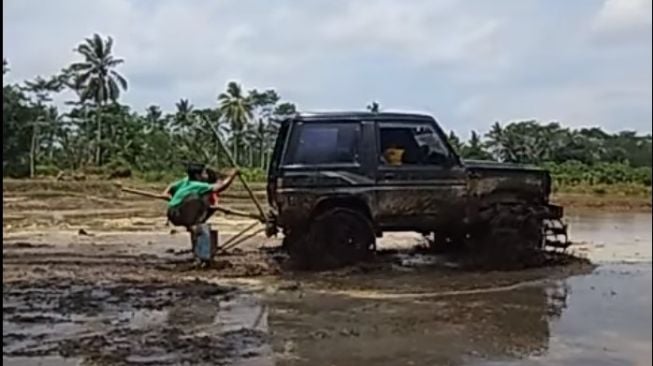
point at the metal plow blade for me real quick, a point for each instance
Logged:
(555, 235)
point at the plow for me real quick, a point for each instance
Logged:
(555, 235)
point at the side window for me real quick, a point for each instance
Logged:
(324, 143)
(411, 144)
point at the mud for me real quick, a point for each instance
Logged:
(125, 323)
(117, 296)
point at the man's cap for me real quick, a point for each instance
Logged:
(194, 167)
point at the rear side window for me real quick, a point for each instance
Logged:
(324, 143)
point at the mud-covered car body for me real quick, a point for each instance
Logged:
(338, 181)
(328, 160)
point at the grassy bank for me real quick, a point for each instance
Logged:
(604, 197)
(620, 197)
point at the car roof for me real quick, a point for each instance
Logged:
(358, 116)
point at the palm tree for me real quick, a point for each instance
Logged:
(283, 110)
(184, 115)
(97, 80)
(497, 144)
(153, 116)
(237, 111)
(474, 148)
(41, 89)
(374, 107)
(455, 142)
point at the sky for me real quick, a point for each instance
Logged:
(466, 62)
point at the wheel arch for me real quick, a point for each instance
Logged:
(342, 201)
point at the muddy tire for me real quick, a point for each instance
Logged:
(336, 238)
(292, 239)
(446, 242)
(511, 238)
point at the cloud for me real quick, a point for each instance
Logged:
(623, 18)
(424, 36)
(467, 62)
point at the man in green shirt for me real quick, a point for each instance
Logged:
(191, 197)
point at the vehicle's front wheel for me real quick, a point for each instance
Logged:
(336, 238)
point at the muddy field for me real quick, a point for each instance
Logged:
(100, 280)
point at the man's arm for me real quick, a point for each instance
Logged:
(172, 186)
(221, 186)
(166, 192)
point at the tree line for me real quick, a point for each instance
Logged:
(96, 132)
(574, 156)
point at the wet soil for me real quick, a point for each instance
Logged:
(125, 291)
(124, 323)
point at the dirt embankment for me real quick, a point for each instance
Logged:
(104, 194)
(607, 202)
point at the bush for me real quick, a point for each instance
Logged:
(253, 174)
(46, 170)
(599, 190)
(571, 173)
(118, 169)
(159, 176)
(92, 170)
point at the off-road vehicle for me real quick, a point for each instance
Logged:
(338, 181)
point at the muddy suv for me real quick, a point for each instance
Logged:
(338, 181)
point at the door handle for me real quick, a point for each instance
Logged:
(389, 176)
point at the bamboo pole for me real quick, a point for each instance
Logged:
(235, 237)
(241, 240)
(224, 210)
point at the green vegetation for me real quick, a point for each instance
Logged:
(587, 157)
(97, 135)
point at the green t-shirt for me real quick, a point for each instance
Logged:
(184, 187)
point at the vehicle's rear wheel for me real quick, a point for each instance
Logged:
(336, 238)
(511, 237)
(292, 239)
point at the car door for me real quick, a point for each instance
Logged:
(424, 188)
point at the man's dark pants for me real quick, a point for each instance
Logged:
(194, 209)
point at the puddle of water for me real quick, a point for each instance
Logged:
(242, 313)
(599, 318)
(607, 321)
(616, 237)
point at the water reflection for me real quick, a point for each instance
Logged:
(607, 322)
(312, 328)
